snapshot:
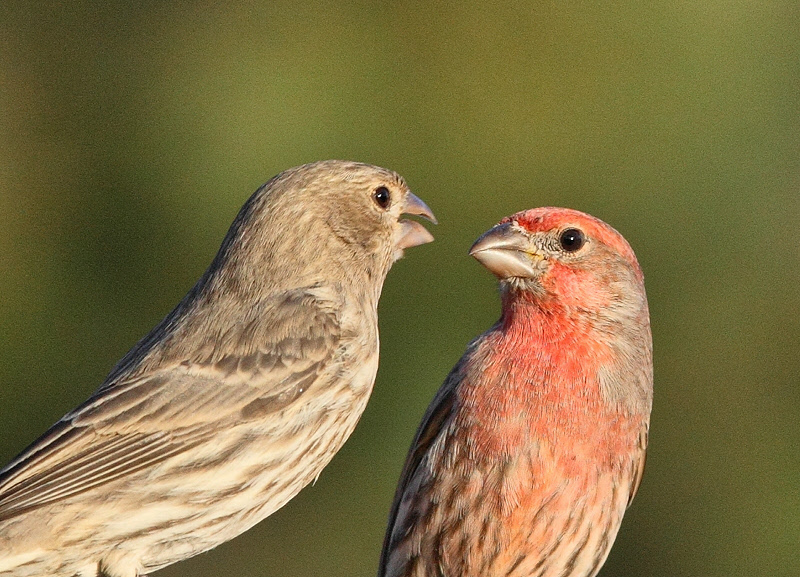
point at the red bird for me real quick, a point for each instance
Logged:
(535, 445)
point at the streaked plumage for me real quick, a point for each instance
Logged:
(235, 401)
(532, 449)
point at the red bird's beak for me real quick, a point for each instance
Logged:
(413, 233)
(506, 252)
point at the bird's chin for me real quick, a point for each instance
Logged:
(518, 284)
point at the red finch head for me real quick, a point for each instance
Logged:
(531, 450)
(576, 276)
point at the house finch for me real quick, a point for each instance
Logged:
(534, 446)
(235, 401)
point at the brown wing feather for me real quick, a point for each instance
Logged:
(131, 424)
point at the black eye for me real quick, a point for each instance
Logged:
(571, 240)
(382, 197)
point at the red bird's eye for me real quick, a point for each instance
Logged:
(571, 240)
(382, 197)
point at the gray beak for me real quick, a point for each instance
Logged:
(413, 233)
(506, 252)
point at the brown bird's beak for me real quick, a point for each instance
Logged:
(413, 233)
(506, 252)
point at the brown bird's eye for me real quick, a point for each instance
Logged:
(571, 240)
(382, 197)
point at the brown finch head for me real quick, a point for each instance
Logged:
(328, 219)
(584, 277)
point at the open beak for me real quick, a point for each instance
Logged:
(413, 233)
(506, 252)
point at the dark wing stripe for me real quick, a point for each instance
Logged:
(433, 423)
(36, 454)
(68, 479)
(67, 469)
(638, 464)
(37, 494)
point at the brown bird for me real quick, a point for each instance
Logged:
(235, 401)
(535, 445)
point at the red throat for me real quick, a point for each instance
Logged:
(537, 384)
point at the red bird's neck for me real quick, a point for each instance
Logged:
(534, 380)
(554, 346)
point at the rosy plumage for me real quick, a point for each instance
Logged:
(535, 445)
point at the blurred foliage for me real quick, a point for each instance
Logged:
(130, 134)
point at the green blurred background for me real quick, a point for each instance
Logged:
(131, 135)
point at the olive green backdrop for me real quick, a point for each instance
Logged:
(130, 136)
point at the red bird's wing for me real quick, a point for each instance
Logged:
(638, 464)
(436, 421)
